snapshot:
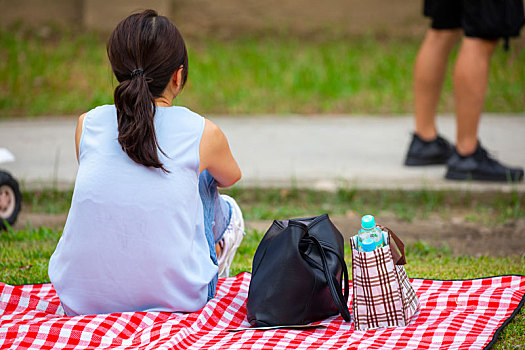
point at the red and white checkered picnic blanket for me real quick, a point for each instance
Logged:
(454, 315)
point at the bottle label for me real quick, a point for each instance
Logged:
(376, 234)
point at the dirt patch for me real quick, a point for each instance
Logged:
(462, 237)
(307, 19)
(55, 221)
(230, 18)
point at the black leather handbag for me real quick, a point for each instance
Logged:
(297, 273)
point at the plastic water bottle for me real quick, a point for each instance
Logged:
(369, 236)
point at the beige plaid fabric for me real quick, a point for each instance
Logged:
(383, 295)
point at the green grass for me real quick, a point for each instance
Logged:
(24, 254)
(271, 203)
(59, 74)
(67, 73)
(485, 208)
(49, 200)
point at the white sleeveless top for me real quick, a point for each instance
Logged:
(134, 237)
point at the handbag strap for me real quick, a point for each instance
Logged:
(397, 247)
(337, 296)
(345, 272)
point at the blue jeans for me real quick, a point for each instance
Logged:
(217, 215)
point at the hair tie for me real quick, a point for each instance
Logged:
(137, 71)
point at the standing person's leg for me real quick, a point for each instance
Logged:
(426, 146)
(429, 74)
(471, 76)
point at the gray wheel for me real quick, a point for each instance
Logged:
(10, 199)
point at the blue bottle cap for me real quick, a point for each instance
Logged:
(368, 222)
(368, 244)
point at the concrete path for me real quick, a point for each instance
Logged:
(321, 152)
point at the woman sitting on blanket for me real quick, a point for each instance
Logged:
(147, 229)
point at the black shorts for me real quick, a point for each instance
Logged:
(487, 19)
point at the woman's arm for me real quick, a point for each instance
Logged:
(78, 132)
(216, 156)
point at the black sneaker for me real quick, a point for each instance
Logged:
(421, 152)
(480, 166)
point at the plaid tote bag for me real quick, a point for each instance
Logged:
(383, 295)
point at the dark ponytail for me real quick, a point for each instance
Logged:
(145, 49)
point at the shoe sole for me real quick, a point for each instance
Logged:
(413, 161)
(456, 175)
